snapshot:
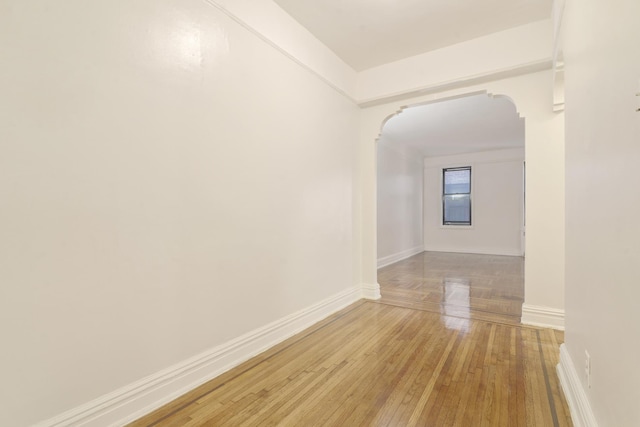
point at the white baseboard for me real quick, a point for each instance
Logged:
(371, 291)
(581, 412)
(137, 399)
(479, 251)
(390, 259)
(545, 317)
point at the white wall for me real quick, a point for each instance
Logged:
(399, 203)
(602, 67)
(274, 25)
(497, 204)
(544, 154)
(169, 181)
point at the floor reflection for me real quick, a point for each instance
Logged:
(456, 304)
(469, 286)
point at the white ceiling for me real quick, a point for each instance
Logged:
(367, 33)
(462, 125)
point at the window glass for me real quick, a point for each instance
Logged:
(457, 181)
(456, 196)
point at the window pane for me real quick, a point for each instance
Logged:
(457, 181)
(457, 209)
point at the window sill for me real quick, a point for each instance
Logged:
(457, 227)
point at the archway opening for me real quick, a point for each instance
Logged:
(450, 206)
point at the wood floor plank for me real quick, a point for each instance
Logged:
(443, 347)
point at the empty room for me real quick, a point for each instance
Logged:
(340, 213)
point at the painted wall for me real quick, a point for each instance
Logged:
(497, 204)
(602, 69)
(544, 154)
(169, 181)
(399, 203)
(274, 25)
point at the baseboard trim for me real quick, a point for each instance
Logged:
(581, 412)
(141, 397)
(371, 291)
(391, 259)
(478, 251)
(545, 317)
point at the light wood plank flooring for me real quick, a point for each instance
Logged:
(417, 357)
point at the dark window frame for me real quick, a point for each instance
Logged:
(444, 194)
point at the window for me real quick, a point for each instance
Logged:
(456, 196)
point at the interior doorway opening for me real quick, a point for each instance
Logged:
(424, 207)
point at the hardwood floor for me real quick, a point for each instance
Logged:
(484, 287)
(417, 357)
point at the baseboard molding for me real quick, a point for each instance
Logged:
(391, 259)
(581, 412)
(479, 251)
(137, 399)
(545, 317)
(371, 291)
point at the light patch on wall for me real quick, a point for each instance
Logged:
(189, 46)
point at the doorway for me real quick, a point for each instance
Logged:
(420, 154)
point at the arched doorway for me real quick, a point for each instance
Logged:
(450, 182)
(544, 154)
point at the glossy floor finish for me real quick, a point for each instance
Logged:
(384, 364)
(485, 287)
